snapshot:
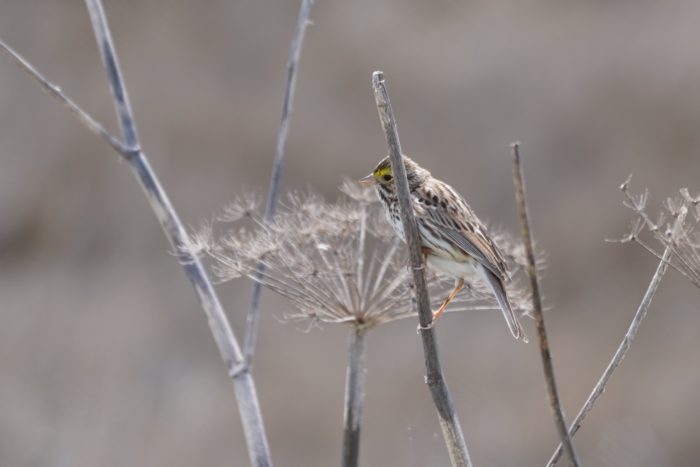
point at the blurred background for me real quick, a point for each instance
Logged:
(105, 356)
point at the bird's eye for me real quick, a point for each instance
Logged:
(387, 178)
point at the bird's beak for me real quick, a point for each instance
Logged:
(368, 180)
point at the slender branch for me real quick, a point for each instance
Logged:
(221, 329)
(354, 396)
(449, 422)
(253, 318)
(620, 353)
(552, 391)
(86, 119)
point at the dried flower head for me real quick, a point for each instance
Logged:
(675, 229)
(340, 262)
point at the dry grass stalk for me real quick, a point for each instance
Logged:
(447, 415)
(131, 151)
(253, 317)
(545, 353)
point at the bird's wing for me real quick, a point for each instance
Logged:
(459, 225)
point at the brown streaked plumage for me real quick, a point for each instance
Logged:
(453, 238)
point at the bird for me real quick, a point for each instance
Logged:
(453, 239)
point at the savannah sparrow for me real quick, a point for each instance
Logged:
(453, 239)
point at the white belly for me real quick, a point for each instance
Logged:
(453, 268)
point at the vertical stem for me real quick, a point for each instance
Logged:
(447, 415)
(355, 378)
(244, 386)
(360, 276)
(253, 317)
(550, 381)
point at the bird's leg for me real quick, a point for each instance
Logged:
(459, 285)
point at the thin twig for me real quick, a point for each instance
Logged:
(56, 92)
(223, 334)
(253, 317)
(620, 353)
(354, 396)
(449, 422)
(552, 392)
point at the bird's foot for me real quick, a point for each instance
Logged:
(436, 315)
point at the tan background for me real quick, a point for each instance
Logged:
(105, 357)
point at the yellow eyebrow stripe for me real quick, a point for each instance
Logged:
(383, 171)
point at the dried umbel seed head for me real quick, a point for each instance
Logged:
(337, 262)
(674, 228)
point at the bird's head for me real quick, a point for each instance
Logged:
(383, 176)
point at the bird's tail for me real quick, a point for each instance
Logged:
(496, 285)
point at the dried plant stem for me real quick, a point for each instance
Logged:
(229, 349)
(619, 353)
(253, 317)
(86, 119)
(552, 392)
(354, 396)
(449, 422)
(244, 385)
